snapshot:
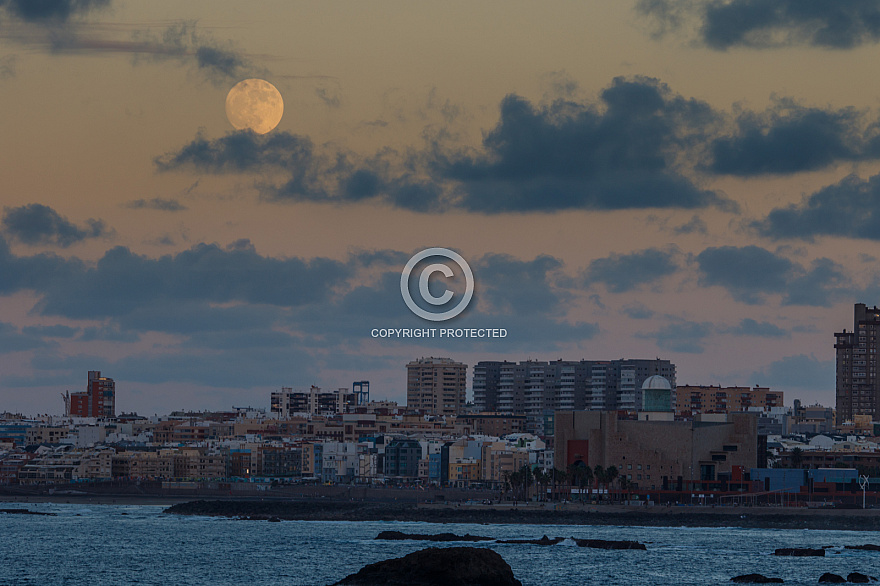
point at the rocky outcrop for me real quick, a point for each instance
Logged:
(24, 512)
(756, 579)
(543, 541)
(799, 551)
(603, 544)
(462, 566)
(866, 547)
(399, 536)
(347, 510)
(858, 578)
(829, 578)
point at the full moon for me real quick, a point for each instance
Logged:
(254, 104)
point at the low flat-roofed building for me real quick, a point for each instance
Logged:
(659, 454)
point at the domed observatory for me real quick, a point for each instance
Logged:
(656, 400)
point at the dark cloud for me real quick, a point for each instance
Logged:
(790, 138)
(242, 368)
(849, 208)
(799, 372)
(750, 327)
(123, 283)
(330, 96)
(721, 25)
(695, 225)
(8, 66)
(50, 11)
(620, 153)
(680, 336)
(512, 286)
(525, 297)
(246, 151)
(220, 62)
(625, 272)
(638, 311)
(57, 331)
(157, 203)
(196, 316)
(110, 333)
(751, 273)
(38, 272)
(748, 273)
(37, 224)
(13, 340)
(50, 25)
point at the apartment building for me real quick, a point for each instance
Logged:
(436, 386)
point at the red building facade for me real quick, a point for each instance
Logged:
(99, 400)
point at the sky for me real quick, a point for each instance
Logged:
(696, 180)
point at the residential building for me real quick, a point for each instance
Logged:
(315, 401)
(99, 399)
(402, 458)
(45, 435)
(436, 386)
(535, 388)
(858, 386)
(495, 424)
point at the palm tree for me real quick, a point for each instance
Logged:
(610, 475)
(797, 458)
(600, 475)
(526, 476)
(587, 474)
(506, 476)
(542, 478)
(624, 485)
(556, 476)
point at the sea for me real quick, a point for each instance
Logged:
(140, 544)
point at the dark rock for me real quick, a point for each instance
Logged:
(398, 536)
(274, 520)
(858, 578)
(462, 566)
(799, 551)
(603, 544)
(866, 547)
(543, 541)
(755, 579)
(829, 578)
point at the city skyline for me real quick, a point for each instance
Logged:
(695, 181)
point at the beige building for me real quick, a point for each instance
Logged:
(436, 386)
(498, 458)
(693, 399)
(45, 435)
(659, 454)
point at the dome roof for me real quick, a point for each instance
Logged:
(656, 382)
